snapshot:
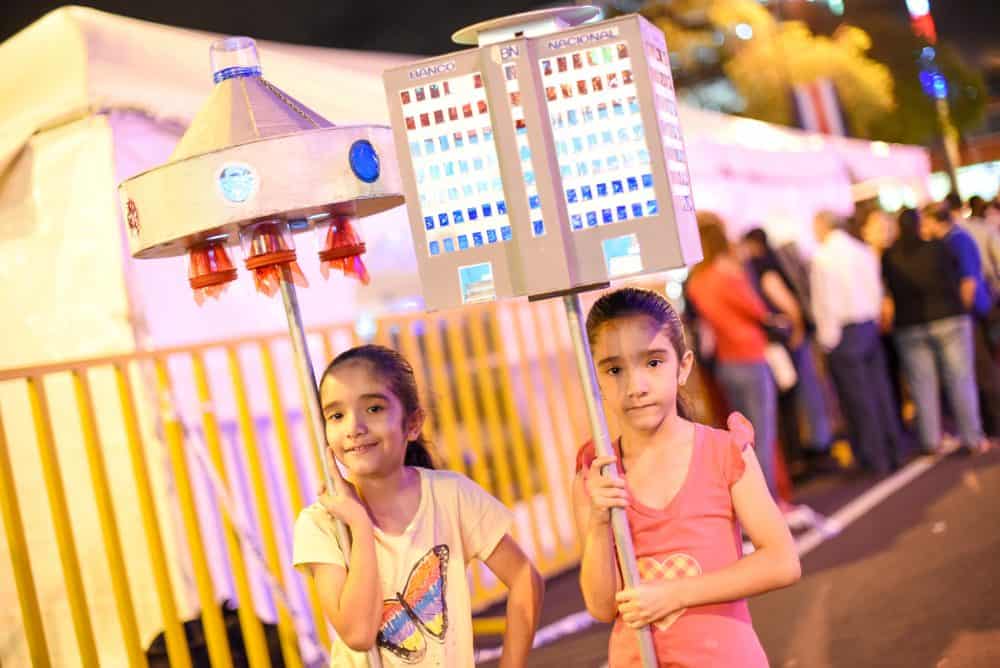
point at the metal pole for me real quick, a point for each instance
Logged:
(303, 365)
(949, 138)
(602, 445)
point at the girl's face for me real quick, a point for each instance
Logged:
(638, 371)
(365, 421)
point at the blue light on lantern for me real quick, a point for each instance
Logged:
(364, 161)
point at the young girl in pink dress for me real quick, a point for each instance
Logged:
(687, 488)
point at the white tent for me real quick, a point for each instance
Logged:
(88, 99)
(91, 99)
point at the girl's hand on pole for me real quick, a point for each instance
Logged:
(648, 602)
(605, 493)
(343, 505)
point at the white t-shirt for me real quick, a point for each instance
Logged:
(845, 282)
(427, 612)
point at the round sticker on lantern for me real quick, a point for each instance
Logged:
(364, 161)
(237, 182)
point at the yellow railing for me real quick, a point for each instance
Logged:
(125, 449)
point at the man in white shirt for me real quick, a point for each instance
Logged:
(845, 283)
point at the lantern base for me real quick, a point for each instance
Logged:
(213, 278)
(344, 251)
(270, 259)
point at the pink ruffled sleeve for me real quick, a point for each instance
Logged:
(741, 437)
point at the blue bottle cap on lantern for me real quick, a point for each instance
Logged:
(364, 161)
(234, 57)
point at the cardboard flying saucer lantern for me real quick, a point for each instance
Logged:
(255, 167)
(255, 154)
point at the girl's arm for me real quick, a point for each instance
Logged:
(774, 287)
(352, 599)
(824, 306)
(599, 577)
(524, 603)
(773, 564)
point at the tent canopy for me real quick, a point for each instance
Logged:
(134, 86)
(77, 60)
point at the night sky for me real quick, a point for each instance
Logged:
(425, 26)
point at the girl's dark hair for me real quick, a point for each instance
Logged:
(392, 369)
(627, 302)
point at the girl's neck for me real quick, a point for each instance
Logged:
(673, 431)
(384, 494)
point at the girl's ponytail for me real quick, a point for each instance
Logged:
(418, 454)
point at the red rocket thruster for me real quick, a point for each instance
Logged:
(268, 246)
(209, 270)
(342, 250)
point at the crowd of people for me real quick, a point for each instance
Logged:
(888, 336)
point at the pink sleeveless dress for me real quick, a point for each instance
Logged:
(695, 533)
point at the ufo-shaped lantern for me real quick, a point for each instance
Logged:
(255, 166)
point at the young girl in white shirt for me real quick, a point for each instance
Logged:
(414, 530)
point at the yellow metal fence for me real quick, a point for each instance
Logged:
(159, 544)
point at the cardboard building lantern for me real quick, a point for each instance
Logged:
(537, 165)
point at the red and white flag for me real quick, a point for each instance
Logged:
(818, 107)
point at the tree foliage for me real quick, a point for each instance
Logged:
(766, 69)
(875, 72)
